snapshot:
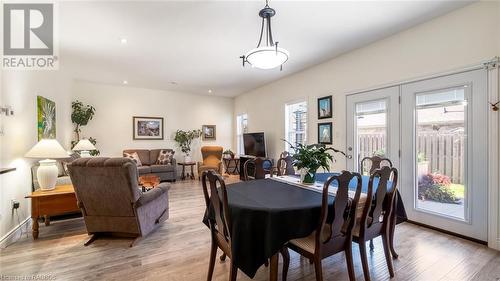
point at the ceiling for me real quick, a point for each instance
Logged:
(195, 46)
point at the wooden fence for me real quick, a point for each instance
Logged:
(437, 152)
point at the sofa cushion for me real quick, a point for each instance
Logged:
(162, 168)
(164, 157)
(154, 153)
(144, 170)
(134, 156)
(143, 155)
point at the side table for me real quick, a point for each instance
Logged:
(185, 175)
(227, 163)
(58, 201)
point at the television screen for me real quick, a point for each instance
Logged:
(255, 144)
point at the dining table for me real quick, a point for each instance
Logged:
(266, 213)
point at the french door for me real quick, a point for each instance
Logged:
(444, 152)
(435, 133)
(373, 126)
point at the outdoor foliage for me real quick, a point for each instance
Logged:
(80, 116)
(436, 187)
(185, 138)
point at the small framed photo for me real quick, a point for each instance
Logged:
(208, 132)
(148, 128)
(325, 107)
(325, 133)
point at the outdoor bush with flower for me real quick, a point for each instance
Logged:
(436, 187)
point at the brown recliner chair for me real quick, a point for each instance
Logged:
(108, 194)
(212, 159)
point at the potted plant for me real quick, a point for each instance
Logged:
(228, 154)
(80, 116)
(309, 158)
(184, 140)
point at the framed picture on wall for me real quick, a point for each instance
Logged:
(325, 107)
(46, 118)
(148, 128)
(325, 133)
(208, 132)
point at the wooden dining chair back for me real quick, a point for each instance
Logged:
(369, 164)
(375, 218)
(285, 164)
(257, 168)
(220, 223)
(334, 231)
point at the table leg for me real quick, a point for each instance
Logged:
(34, 227)
(192, 172)
(183, 177)
(46, 220)
(273, 268)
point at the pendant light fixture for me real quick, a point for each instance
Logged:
(267, 55)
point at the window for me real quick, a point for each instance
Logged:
(241, 128)
(295, 123)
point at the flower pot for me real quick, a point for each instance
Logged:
(307, 176)
(187, 159)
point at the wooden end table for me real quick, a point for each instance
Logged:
(227, 162)
(59, 201)
(149, 182)
(185, 175)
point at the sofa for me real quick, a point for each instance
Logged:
(148, 164)
(111, 201)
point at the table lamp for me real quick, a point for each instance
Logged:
(84, 145)
(47, 172)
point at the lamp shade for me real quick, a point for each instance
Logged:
(84, 144)
(47, 148)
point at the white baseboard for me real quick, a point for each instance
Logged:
(15, 233)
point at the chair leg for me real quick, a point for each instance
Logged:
(266, 263)
(371, 245)
(392, 229)
(223, 257)
(286, 262)
(318, 269)
(364, 259)
(233, 272)
(211, 264)
(350, 264)
(91, 239)
(388, 259)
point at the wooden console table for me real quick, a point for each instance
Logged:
(59, 201)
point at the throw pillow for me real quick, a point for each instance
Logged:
(135, 157)
(165, 157)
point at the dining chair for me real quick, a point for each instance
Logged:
(257, 168)
(377, 162)
(285, 164)
(376, 217)
(335, 236)
(221, 224)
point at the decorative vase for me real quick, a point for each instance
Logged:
(187, 159)
(307, 176)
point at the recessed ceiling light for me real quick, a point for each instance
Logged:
(173, 83)
(209, 91)
(123, 41)
(125, 82)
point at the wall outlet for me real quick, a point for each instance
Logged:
(15, 204)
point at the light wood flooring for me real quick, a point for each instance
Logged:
(179, 250)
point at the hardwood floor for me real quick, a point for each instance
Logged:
(179, 250)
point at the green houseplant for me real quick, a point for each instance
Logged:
(228, 152)
(184, 140)
(309, 158)
(80, 116)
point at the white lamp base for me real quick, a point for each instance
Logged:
(47, 174)
(85, 153)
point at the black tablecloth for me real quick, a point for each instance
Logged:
(265, 214)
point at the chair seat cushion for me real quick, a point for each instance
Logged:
(162, 168)
(144, 170)
(308, 243)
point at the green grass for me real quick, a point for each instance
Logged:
(458, 190)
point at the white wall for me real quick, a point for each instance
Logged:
(461, 38)
(115, 106)
(19, 90)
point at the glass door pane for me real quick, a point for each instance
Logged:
(371, 129)
(440, 149)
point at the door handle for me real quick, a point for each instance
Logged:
(349, 156)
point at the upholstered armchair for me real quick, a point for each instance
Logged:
(212, 159)
(108, 194)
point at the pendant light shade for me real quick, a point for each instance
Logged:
(267, 55)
